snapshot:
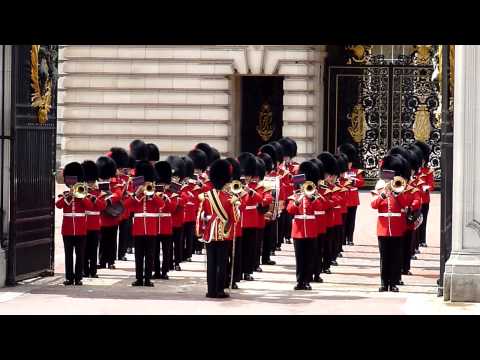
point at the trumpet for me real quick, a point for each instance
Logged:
(309, 188)
(149, 189)
(236, 187)
(79, 190)
(397, 185)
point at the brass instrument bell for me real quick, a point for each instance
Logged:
(80, 191)
(149, 189)
(309, 188)
(398, 184)
(236, 187)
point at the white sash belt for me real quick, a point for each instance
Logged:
(338, 207)
(390, 214)
(164, 214)
(92, 213)
(145, 215)
(305, 217)
(319, 212)
(353, 189)
(251, 207)
(73, 214)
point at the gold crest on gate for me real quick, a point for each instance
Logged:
(358, 126)
(41, 84)
(265, 126)
(421, 126)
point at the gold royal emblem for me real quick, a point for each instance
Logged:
(265, 123)
(358, 126)
(42, 90)
(421, 126)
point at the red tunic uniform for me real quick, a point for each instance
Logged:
(74, 217)
(165, 225)
(191, 204)
(321, 213)
(116, 196)
(391, 217)
(267, 200)
(250, 213)
(145, 214)
(93, 216)
(426, 174)
(356, 176)
(414, 199)
(211, 232)
(304, 224)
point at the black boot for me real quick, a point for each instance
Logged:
(68, 282)
(393, 288)
(383, 288)
(299, 286)
(137, 283)
(247, 277)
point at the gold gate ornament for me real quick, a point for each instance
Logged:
(42, 96)
(421, 126)
(358, 126)
(265, 123)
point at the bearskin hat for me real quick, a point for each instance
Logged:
(131, 162)
(294, 146)
(207, 149)
(74, 169)
(319, 164)
(268, 162)
(236, 168)
(90, 170)
(120, 156)
(164, 172)
(342, 163)
(199, 158)
(153, 152)
(329, 163)
(395, 163)
(288, 147)
(407, 155)
(107, 168)
(145, 169)
(310, 170)
(188, 166)
(417, 157)
(261, 167)
(220, 173)
(215, 155)
(279, 150)
(178, 166)
(139, 150)
(248, 164)
(425, 149)
(350, 150)
(270, 150)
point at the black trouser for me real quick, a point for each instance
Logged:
(350, 223)
(108, 242)
(71, 243)
(217, 252)
(165, 242)
(304, 259)
(237, 264)
(91, 249)
(266, 249)
(144, 248)
(188, 235)
(197, 245)
(407, 250)
(261, 243)
(268, 238)
(277, 231)
(328, 254)
(318, 254)
(282, 223)
(337, 241)
(423, 227)
(343, 233)
(390, 259)
(288, 225)
(124, 235)
(249, 243)
(414, 242)
(177, 246)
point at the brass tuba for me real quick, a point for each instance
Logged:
(80, 191)
(149, 189)
(309, 188)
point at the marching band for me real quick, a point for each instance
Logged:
(239, 210)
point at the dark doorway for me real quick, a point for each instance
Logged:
(261, 111)
(32, 160)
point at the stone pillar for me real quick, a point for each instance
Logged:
(462, 271)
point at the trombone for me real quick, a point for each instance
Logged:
(79, 190)
(149, 189)
(309, 188)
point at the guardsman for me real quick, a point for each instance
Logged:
(264, 164)
(330, 168)
(145, 205)
(344, 185)
(284, 185)
(221, 211)
(304, 227)
(426, 174)
(357, 181)
(190, 209)
(93, 218)
(120, 156)
(390, 201)
(164, 239)
(74, 203)
(110, 217)
(251, 242)
(131, 174)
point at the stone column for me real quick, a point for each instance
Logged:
(462, 271)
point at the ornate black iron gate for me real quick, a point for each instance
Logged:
(32, 188)
(380, 106)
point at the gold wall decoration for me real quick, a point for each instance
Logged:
(265, 126)
(359, 54)
(421, 126)
(423, 54)
(41, 85)
(358, 126)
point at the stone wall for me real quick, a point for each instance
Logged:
(176, 96)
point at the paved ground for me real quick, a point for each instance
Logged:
(352, 288)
